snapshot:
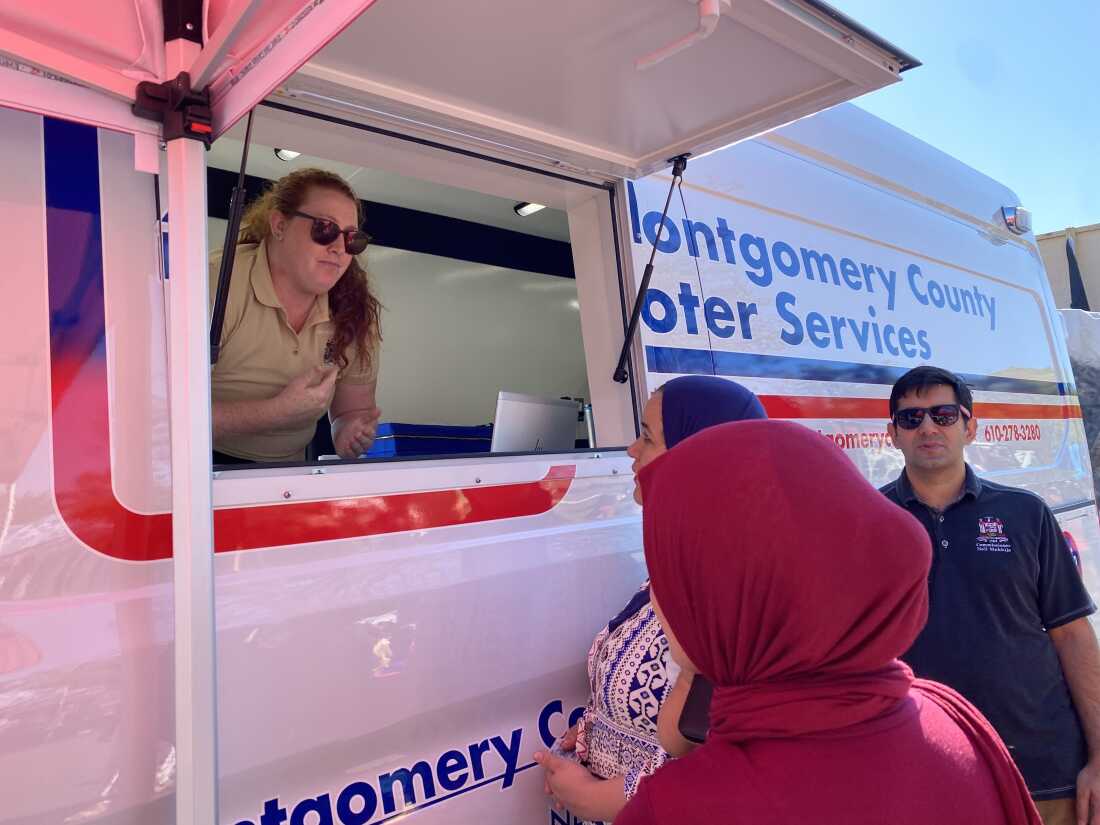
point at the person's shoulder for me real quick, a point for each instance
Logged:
(638, 809)
(243, 255)
(953, 747)
(712, 778)
(938, 732)
(239, 284)
(950, 723)
(1015, 497)
(890, 490)
(710, 759)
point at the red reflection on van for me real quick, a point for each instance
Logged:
(1073, 549)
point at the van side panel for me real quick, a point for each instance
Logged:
(817, 279)
(390, 637)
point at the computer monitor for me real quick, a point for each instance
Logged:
(531, 423)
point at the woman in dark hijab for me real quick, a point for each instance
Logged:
(784, 578)
(596, 766)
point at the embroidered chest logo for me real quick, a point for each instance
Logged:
(991, 536)
(989, 526)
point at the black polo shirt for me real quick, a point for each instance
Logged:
(1002, 575)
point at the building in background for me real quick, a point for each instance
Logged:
(1085, 241)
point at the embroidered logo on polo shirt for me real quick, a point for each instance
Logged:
(991, 536)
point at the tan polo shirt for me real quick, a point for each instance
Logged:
(261, 353)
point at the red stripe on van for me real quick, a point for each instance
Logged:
(821, 407)
(1027, 411)
(86, 499)
(249, 528)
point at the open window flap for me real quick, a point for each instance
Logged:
(554, 82)
(557, 82)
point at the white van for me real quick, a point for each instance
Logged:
(398, 636)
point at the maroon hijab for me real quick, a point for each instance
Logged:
(794, 585)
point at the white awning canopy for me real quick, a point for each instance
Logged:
(560, 79)
(592, 85)
(112, 45)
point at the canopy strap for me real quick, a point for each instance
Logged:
(229, 250)
(679, 164)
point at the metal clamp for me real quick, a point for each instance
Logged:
(183, 111)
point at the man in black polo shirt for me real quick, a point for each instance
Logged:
(1007, 624)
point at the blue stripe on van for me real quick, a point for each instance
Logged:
(677, 361)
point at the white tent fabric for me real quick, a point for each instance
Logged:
(112, 45)
(125, 37)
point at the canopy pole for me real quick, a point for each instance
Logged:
(192, 520)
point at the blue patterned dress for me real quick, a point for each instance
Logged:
(628, 671)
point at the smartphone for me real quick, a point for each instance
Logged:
(695, 717)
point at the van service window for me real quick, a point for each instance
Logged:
(478, 304)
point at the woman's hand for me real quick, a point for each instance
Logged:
(575, 788)
(568, 741)
(307, 396)
(299, 403)
(353, 432)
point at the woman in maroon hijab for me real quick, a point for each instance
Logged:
(789, 582)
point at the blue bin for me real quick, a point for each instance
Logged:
(395, 440)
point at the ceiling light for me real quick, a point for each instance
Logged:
(523, 209)
(286, 154)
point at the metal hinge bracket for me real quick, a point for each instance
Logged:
(181, 110)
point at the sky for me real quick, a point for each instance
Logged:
(1009, 88)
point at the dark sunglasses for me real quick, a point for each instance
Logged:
(943, 415)
(324, 232)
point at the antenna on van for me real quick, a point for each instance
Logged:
(229, 251)
(679, 164)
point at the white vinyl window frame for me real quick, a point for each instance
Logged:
(595, 211)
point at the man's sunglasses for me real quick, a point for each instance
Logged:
(943, 415)
(324, 232)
